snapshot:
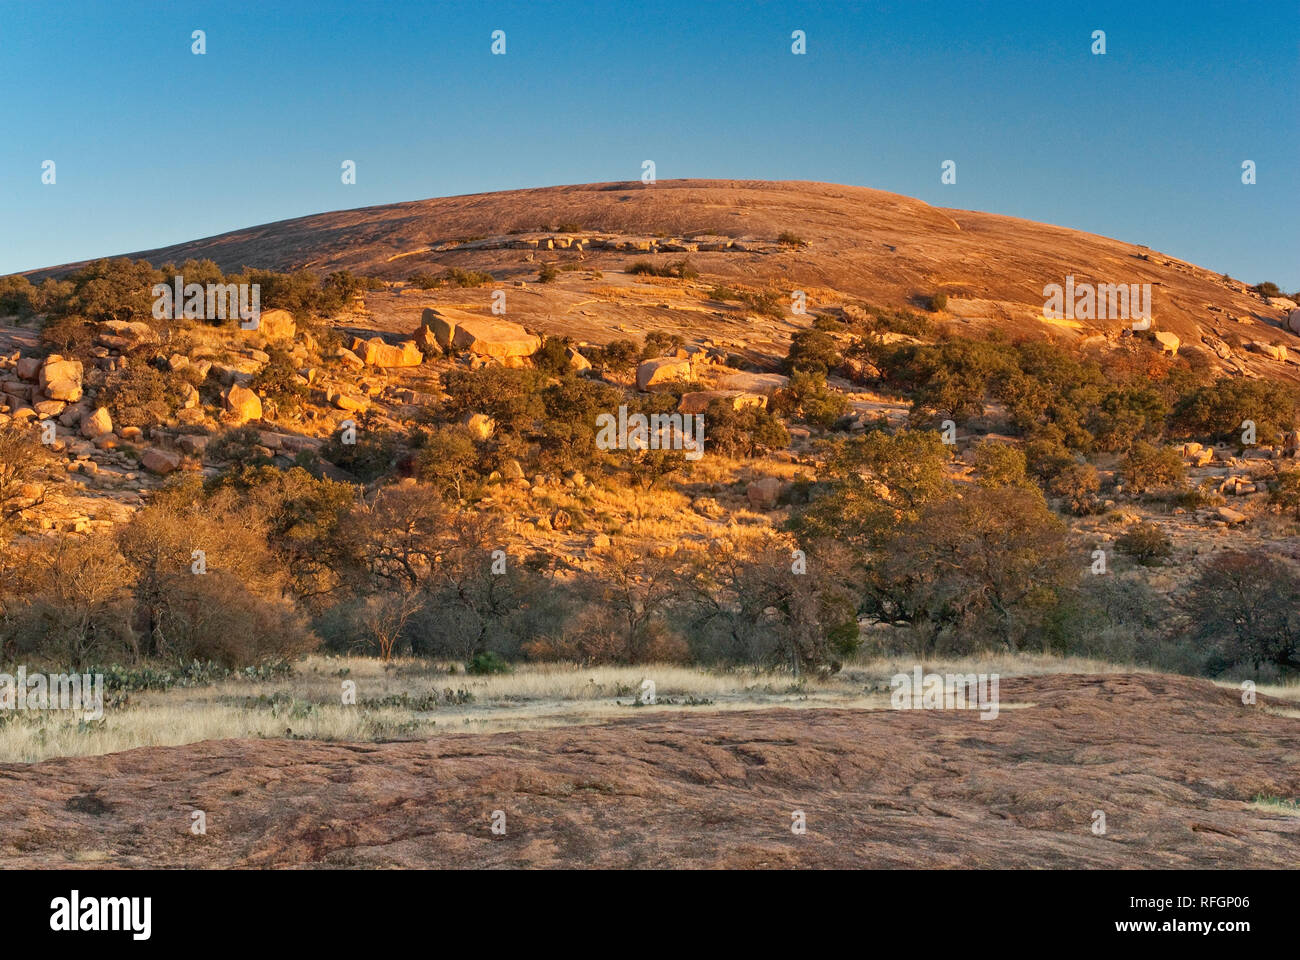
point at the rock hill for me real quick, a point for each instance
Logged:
(858, 243)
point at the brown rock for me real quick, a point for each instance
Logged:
(377, 353)
(577, 361)
(494, 338)
(243, 404)
(764, 492)
(161, 462)
(96, 424)
(739, 773)
(661, 370)
(274, 325)
(349, 359)
(61, 379)
(1272, 351)
(426, 341)
(443, 324)
(347, 403)
(1229, 515)
(698, 401)
(764, 383)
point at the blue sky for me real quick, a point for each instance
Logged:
(155, 145)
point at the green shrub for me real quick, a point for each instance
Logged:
(451, 277)
(486, 663)
(448, 461)
(809, 399)
(1000, 465)
(241, 446)
(1217, 411)
(280, 383)
(371, 457)
(879, 320)
(679, 269)
(424, 280)
(1146, 543)
(747, 432)
(1149, 466)
(617, 356)
(660, 344)
(139, 395)
(813, 351)
(17, 296)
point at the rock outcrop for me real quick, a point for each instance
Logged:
(662, 370)
(243, 404)
(488, 337)
(698, 401)
(96, 424)
(61, 379)
(375, 352)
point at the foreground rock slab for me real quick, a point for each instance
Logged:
(1173, 762)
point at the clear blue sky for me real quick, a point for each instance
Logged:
(154, 145)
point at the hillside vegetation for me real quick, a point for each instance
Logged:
(389, 466)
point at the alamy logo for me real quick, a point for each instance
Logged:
(952, 691)
(216, 301)
(659, 431)
(73, 913)
(1107, 301)
(55, 691)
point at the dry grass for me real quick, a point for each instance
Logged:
(415, 699)
(1270, 804)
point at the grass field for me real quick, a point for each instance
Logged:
(415, 699)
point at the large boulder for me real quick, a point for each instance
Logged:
(1169, 342)
(493, 338)
(96, 424)
(161, 462)
(698, 401)
(1272, 351)
(243, 404)
(276, 325)
(426, 341)
(442, 322)
(377, 353)
(238, 370)
(1293, 321)
(662, 370)
(764, 383)
(577, 362)
(125, 334)
(1228, 515)
(349, 359)
(29, 368)
(61, 379)
(763, 493)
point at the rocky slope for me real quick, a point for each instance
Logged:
(859, 244)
